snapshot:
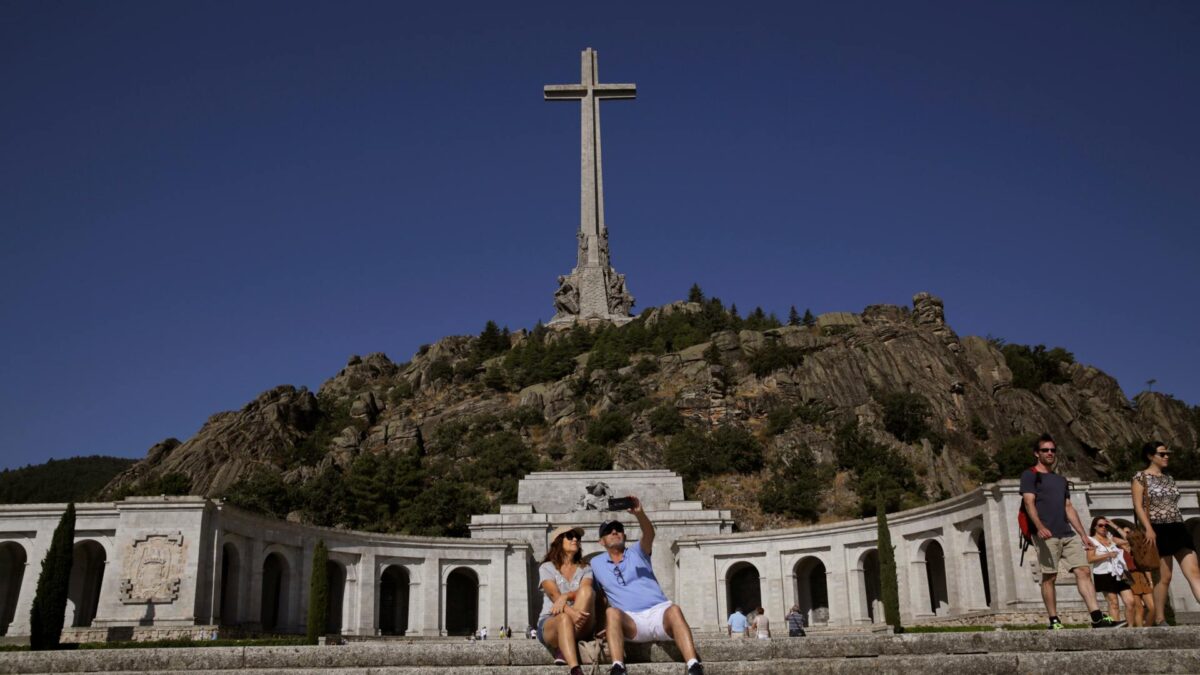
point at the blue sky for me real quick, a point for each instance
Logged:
(199, 201)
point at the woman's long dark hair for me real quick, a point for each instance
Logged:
(1107, 530)
(1149, 449)
(556, 554)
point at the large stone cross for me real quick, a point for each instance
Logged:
(593, 289)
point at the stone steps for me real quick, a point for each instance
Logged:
(1166, 650)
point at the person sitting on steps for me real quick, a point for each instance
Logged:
(566, 583)
(638, 609)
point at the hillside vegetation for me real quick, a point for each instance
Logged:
(783, 423)
(60, 480)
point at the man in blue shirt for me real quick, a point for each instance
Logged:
(638, 609)
(738, 625)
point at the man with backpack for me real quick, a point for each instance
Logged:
(1046, 498)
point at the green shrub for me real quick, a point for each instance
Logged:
(1034, 366)
(262, 491)
(333, 415)
(494, 379)
(978, 429)
(441, 371)
(794, 488)
(694, 455)
(645, 367)
(779, 419)
(524, 417)
(610, 427)
(589, 457)
(879, 471)
(665, 420)
(906, 416)
(775, 356)
(500, 460)
(400, 392)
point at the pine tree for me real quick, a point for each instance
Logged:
(318, 593)
(50, 602)
(492, 341)
(888, 585)
(695, 294)
(809, 320)
(419, 445)
(793, 317)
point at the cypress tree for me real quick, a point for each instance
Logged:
(695, 294)
(809, 320)
(318, 593)
(888, 585)
(50, 601)
(793, 317)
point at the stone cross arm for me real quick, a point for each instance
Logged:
(575, 92)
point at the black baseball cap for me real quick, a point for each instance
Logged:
(611, 526)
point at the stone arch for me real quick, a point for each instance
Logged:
(276, 590)
(394, 600)
(872, 593)
(934, 557)
(335, 579)
(231, 584)
(811, 591)
(462, 601)
(742, 587)
(87, 576)
(979, 541)
(12, 574)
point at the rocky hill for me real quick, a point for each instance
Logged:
(782, 423)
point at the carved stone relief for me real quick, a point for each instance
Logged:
(153, 568)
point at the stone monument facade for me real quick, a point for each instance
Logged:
(593, 290)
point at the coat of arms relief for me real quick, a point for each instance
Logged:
(153, 567)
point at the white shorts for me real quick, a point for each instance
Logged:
(649, 623)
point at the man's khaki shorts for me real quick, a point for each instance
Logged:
(1051, 550)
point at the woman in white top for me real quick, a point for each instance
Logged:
(1108, 567)
(566, 583)
(762, 625)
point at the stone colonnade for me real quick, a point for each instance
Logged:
(173, 566)
(958, 561)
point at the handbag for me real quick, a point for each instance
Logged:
(1145, 555)
(591, 652)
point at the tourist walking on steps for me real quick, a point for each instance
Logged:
(567, 605)
(1156, 503)
(762, 625)
(638, 609)
(1047, 501)
(1141, 584)
(737, 625)
(795, 622)
(1108, 568)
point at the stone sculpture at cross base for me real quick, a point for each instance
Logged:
(593, 291)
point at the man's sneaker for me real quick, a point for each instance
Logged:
(696, 668)
(618, 669)
(1056, 625)
(1106, 621)
(577, 670)
(558, 658)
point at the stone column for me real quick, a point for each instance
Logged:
(254, 563)
(368, 595)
